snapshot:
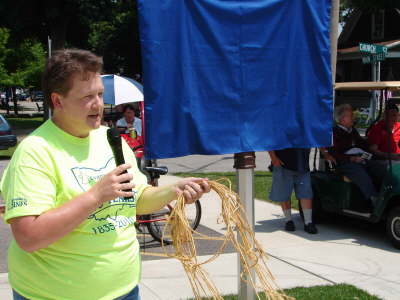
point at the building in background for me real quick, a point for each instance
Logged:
(381, 27)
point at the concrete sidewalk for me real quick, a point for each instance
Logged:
(338, 254)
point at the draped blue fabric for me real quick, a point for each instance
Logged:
(228, 76)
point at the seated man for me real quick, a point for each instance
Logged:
(347, 140)
(129, 120)
(384, 136)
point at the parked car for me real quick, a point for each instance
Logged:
(22, 96)
(37, 96)
(7, 139)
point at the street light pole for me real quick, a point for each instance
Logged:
(46, 106)
(244, 164)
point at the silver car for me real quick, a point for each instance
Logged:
(7, 139)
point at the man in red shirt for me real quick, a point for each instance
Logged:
(384, 136)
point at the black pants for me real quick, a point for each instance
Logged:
(360, 175)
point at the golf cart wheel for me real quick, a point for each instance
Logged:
(393, 226)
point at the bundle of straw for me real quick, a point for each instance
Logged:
(252, 256)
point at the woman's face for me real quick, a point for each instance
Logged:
(129, 115)
(347, 119)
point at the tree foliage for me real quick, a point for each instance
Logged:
(107, 27)
(4, 36)
(20, 65)
(371, 6)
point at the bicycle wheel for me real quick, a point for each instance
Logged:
(158, 226)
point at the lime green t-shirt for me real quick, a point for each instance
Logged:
(100, 258)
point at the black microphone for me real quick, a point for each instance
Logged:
(114, 139)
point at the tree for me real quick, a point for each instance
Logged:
(371, 6)
(117, 40)
(97, 25)
(24, 64)
(107, 27)
(21, 66)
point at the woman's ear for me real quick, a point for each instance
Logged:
(56, 100)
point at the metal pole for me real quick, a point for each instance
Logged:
(46, 107)
(333, 35)
(374, 93)
(49, 45)
(244, 164)
(378, 72)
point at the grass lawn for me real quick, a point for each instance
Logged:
(323, 292)
(20, 123)
(24, 123)
(9, 152)
(262, 182)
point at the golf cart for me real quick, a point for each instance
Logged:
(336, 194)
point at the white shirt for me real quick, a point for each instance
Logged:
(137, 124)
(348, 130)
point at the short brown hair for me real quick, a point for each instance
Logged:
(126, 107)
(62, 65)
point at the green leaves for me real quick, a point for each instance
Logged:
(368, 5)
(21, 65)
(106, 27)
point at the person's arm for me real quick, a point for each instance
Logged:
(383, 155)
(374, 138)
(326, 155)
(340, 145)
(36, 232)
(374, 149)
(121, 125)
(276, 162)
(155, 198)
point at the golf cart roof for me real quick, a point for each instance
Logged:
(368, 85)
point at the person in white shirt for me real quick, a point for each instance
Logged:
(129, 120)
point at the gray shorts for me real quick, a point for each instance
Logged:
(284, 181)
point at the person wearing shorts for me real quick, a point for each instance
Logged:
(291, 171)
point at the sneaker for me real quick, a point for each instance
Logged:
(289, 226)
(310, 228)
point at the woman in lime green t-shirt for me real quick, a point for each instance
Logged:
(72, 220)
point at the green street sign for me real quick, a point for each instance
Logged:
(373, 53)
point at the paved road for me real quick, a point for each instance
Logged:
(5, 234)
(214, 163)
(210, 163)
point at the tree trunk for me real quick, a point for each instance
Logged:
(14, 100)
(58, 32)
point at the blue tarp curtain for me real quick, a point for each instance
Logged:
(228, 76)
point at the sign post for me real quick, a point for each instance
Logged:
(244, 164)
(373, 54)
